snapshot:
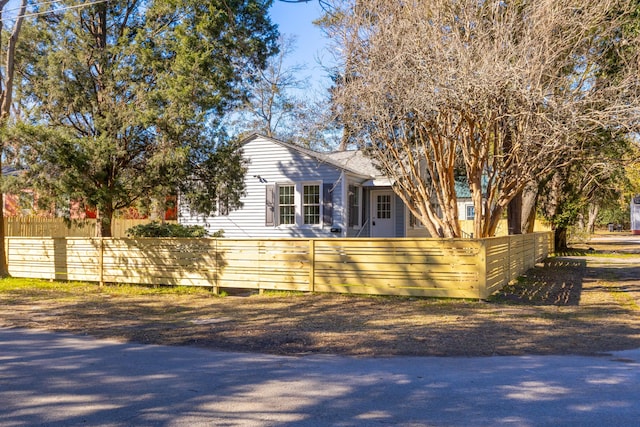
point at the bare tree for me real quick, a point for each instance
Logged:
(281, 103)
(6, 98)
(272, 105)
(510, 88)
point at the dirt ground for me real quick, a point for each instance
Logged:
(583, 302)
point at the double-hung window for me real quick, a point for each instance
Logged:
(311, 204)
(286, 204)
(299, 204)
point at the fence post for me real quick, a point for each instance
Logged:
(482, 267)
(101, 261)
(312, 265)
(6, 252)
(260, 255)
(508, 272)
(216, 270)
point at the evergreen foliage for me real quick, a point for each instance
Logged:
(156, 229)
(124, 100)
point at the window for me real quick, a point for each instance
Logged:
(413, 221)
(311, 204)
(383, 206)
(223, 200)
(298, 204)
(471, 212)
(354, 206)
(223, 205)
(287, 204)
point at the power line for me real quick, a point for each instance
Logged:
(36, 4)
(62, 9)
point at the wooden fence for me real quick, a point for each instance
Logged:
(454, 268)
(57, 227)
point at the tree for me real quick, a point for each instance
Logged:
(596, 180)
(275, 107)
(271, 107)
(126, 99)
(608, 178)
(511, 88)
(6, 100)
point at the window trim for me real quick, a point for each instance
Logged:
(279, 188)
(298, 203)
(304, 204)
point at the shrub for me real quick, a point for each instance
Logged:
(156, 229)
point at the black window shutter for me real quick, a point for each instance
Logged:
(327, 205)
(270, 207)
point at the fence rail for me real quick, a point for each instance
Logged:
(454, 268)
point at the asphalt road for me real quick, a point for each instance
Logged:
(49, 379)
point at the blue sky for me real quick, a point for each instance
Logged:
(297, 19)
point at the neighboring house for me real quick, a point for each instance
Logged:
(25, 203)
(295, 192)
(170, 212)
(466, 210)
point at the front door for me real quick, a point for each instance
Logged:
(382, 214)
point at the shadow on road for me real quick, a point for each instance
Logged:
(58, 380)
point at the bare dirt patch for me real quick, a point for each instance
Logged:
(572, 305)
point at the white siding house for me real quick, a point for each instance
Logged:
(295, 192)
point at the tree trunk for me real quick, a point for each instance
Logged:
(529, 206)
(103, 224)
(594, 209)
(560, 238)
(6, 98)
(4, 269)
(514, 215)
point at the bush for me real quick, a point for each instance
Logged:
(156, 229)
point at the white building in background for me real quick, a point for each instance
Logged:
(635, 215)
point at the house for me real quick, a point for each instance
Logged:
(296, 192)
(25, 203)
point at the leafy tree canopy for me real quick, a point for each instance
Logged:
(123, 99)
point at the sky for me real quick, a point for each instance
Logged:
(311, 45)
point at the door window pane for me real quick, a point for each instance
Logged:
(383, 206)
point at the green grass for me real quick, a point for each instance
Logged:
(612, 255)
(38, 286)
(623, 298)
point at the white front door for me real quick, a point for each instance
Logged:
(382, 214)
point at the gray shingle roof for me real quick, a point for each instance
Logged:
(351, 161)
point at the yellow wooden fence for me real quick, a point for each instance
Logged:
(58, 227)
(454, 268)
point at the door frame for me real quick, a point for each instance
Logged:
(373, 213)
